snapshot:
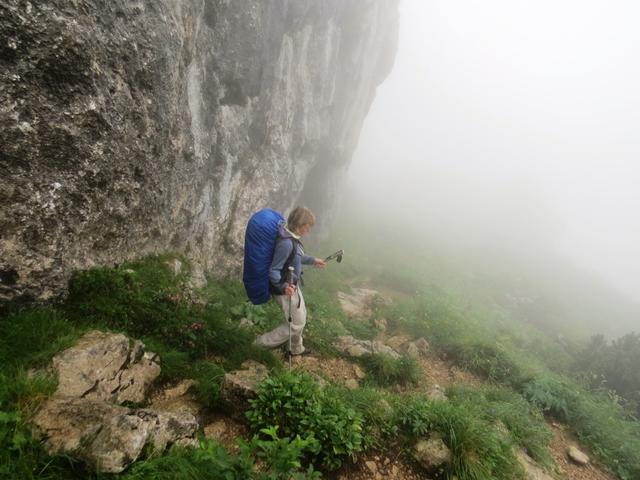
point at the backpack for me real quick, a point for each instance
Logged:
(259, 244)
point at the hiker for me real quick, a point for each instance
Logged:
(289, 252)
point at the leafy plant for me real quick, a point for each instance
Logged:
(256, 314)
(283, 455)
(294, 403)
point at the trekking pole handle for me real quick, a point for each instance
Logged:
(337, 255)
(290, 279)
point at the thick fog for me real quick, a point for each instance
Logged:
(514, 124)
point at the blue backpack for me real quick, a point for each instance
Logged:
(259, 245)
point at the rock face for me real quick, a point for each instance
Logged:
(83, 419)
(135, 127)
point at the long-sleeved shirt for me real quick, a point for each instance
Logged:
(284, 246)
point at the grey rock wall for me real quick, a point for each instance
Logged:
(131, 127)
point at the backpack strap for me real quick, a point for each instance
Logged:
(292, 256)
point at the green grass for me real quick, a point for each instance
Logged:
(208, 377)
(386, 370)
(497, 405)
(598, 423)
(375, 407)
(479, 452)
(30, 338)
(526, 371)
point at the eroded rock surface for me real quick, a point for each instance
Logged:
(104, 366)
(359, 348)
(135, 127)
(577, 456)
(360, 302)
(239, 386)
(83, 418)
(432, 453)
(106, 436)
(531, 469)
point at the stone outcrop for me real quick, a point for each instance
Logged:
(413, 348)
(238, 387)
(103, 366)
(106, 436)
(360, 302)
(177, 399)
(432, 453)
(436, 393)
(132, 127)
(359, 348)
(531, 469)
(577, 456)
(84, 419)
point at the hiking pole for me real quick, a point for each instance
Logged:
(337, 255)
(290, 297)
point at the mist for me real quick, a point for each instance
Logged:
(513, 125)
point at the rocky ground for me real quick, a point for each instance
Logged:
(103, 371)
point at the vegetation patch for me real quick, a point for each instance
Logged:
(479, 451)
(386, 370)
(295, 404)
(598, 423)
(505, 409)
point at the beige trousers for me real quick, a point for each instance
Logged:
(280, 335)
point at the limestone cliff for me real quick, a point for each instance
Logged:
(130, 127)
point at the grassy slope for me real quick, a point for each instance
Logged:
(145, 300)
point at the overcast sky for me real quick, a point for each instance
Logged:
(515, 121)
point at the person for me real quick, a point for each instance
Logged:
(286, 291)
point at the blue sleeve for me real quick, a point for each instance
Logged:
(308, 260)
(280, 256)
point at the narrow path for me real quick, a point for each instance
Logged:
(568, 470)
(436, 370)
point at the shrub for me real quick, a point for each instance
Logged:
(296, 405)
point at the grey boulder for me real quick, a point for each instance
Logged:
(105, 366)
(108, 437)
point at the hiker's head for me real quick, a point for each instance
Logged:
(301, 220)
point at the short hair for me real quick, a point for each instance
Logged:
(300, 216)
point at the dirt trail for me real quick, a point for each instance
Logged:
(560, 443)
(444, 373)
